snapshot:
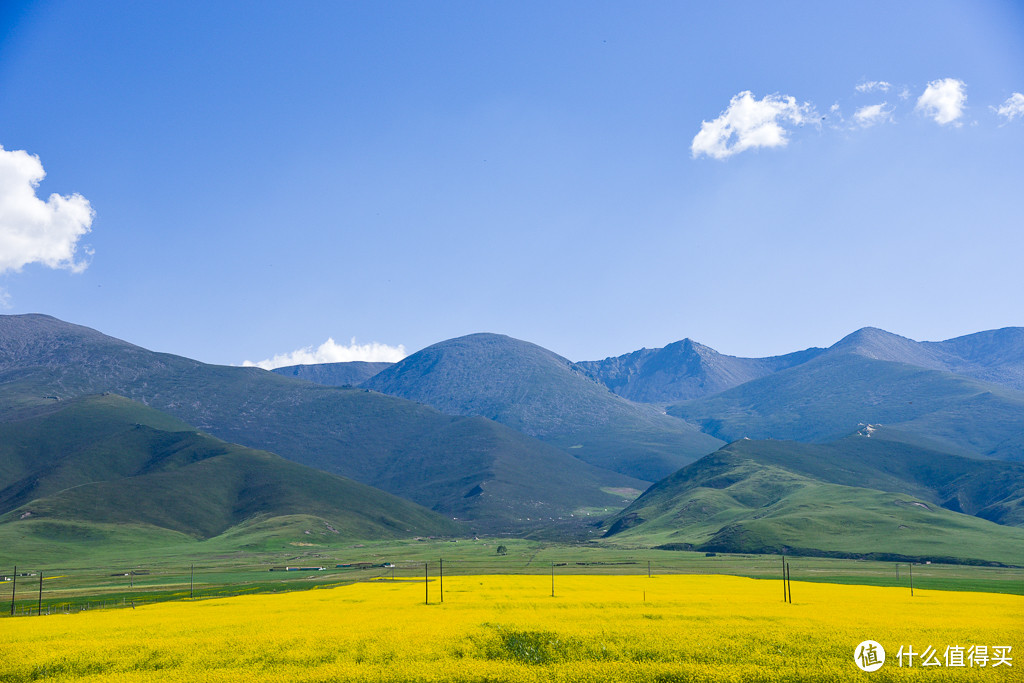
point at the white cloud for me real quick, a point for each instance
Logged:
(332, 352)
(872, 114)
(749, 123)
(5, 299)
(943, 101)
(871, 86)
(34, 231)
(1012, 107)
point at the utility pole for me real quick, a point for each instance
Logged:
(39, 609)
(552, 579)
(785, 596)
(14, 587)
(441, 574)
(911, 579)
(191, 582)
(648, 569)
(426, 586)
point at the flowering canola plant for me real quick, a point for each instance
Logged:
(509, 628)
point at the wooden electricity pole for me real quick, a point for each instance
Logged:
(39, 608)
(14, 587)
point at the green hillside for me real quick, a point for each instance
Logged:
(469, 468)
(848, 498)
(541, 394)
(880, 458)
(829, 396)
(127, 471)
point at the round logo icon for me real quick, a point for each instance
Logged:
(869, 655)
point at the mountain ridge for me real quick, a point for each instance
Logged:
(830, 395)
(378, 440)
(542, 394)
(349, 373)
(860, 495)
(687, 370)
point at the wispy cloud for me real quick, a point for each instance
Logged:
(872, 114)
(943, 100)
(749, 123)
(34, 231)
(1012, 108)
(872, 86)
(332, 352)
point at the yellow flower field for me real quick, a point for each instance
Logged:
(509, 628)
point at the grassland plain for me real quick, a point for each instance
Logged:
(510, 628)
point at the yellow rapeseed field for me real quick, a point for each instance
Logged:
(509, 628)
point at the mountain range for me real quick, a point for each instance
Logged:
(829, 395)
(687, 370)
(466, 467)
(544, 395)
(876, 445)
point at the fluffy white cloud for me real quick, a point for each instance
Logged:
(872, 114)
(749, 123)
(871, 86)
(34, 231)
(943, 101)
(332, 352)
(1012, 107)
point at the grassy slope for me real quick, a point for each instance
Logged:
(127, 472)
(408, 449)
(772, 497)
(989, 489)
(830, 396)
(544, 395)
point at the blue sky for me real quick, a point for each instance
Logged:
(264, 176)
